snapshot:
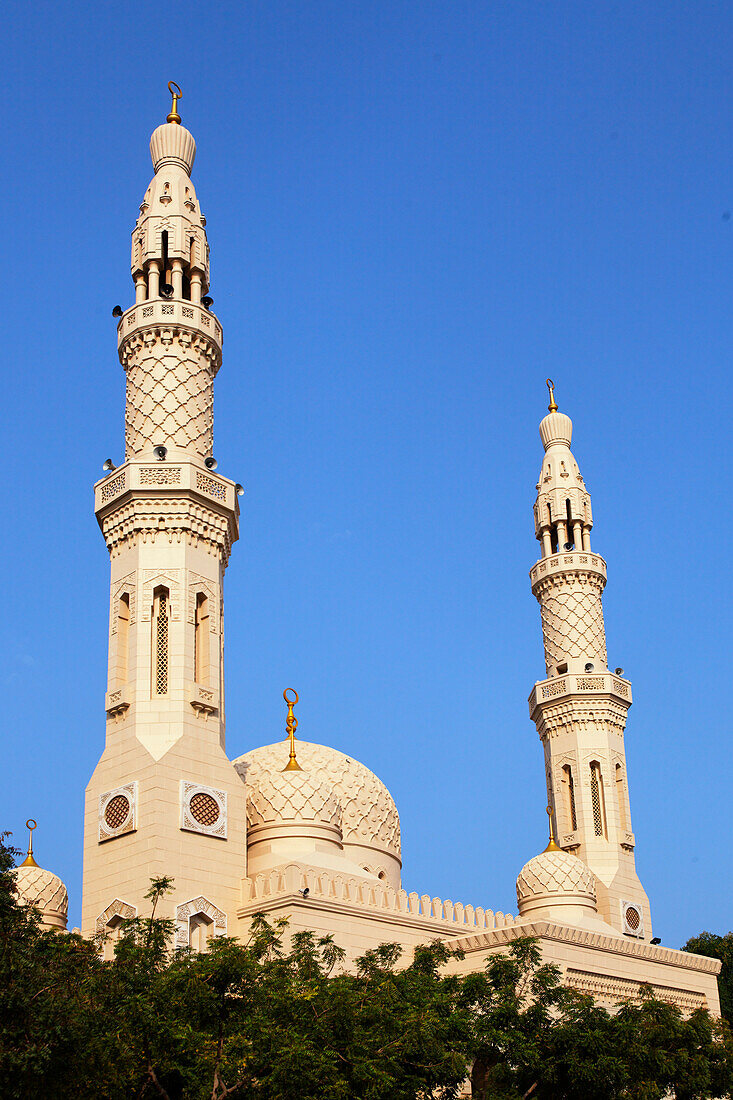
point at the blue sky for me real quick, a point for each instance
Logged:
(417, 211)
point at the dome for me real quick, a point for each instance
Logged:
(171, 143)
(278, 796)
(555, 878)
(45, 891)
(369, 815)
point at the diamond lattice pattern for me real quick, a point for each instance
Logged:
(170, 401)
(572, 624)
(369, 812)
(117, 811)
(555, 873)
(204, 809)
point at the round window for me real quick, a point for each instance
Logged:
(633, 918)
(204, 809)
(117, 811)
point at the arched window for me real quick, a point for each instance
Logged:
(201, 640)
(569, 787)
(123, 637)
(112, 934)
(621, 796)
(597, 799)
(200, 931)
(160, 624)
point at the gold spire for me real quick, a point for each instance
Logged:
(552, 846)
(176, 92)
(29, 861)
(291, 725)
(552, 407)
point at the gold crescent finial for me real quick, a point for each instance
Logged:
(29, 861)
(552, 846)
(291, 726)
(552, 407)
(177, 94)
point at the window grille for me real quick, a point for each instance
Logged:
(204, 809)
(161, 644)
(596, 793)
(117, 811)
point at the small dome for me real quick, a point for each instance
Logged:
(556, 427)
(369, 815)
(45, 891)
(553, 875)
(274, 795)
(172, 144)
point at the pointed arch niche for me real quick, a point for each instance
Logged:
(197, 922)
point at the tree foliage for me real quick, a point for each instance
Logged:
(718, 947)
(279, 1018)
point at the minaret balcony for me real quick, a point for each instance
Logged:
(154, 477)
(560, 688)
(146, 499)
(575, 561)
(161, 312)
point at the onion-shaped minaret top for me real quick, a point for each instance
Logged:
(171, 143)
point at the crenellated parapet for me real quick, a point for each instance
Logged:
(289, 881)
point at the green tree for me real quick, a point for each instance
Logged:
(47, 989)
(718, 947)
(278, 1018)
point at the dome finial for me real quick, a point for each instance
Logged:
(552, 846)
(29, 861)
(177, 94)
(550, 385)
(291, 725)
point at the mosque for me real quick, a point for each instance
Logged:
(295, 829)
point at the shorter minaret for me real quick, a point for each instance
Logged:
(580, 708)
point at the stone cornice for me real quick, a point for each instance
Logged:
(583, 937)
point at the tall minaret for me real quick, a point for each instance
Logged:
(164, 799)
(580, 709)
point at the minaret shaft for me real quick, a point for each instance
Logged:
(580, 709)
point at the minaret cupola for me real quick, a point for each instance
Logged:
(170, 254)
(562, 513)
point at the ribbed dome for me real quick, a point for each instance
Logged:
(369, 815)
(556, 427)
(45, 891)
(274, 795)
(556, 874)
(172, 144)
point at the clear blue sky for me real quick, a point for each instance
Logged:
(417, 211)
